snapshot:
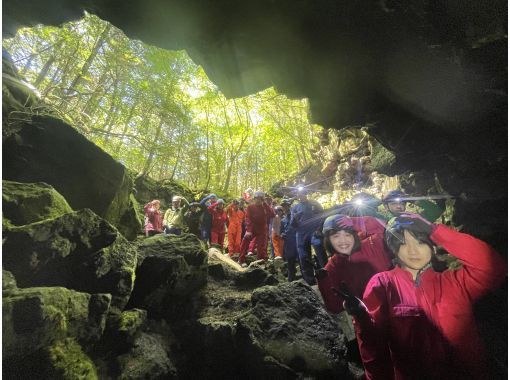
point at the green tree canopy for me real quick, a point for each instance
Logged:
(156, 111)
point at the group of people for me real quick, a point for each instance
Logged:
(411, 320)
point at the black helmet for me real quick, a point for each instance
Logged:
(393, 196)
(337, 222)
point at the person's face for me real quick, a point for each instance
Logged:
(258, 200)
(219, 206)
(301, 196)
(414, 254)
(286, 208)
(396, 207)
(342, 242)
(156, 205)
(176, 203)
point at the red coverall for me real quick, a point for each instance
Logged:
(235, 225)
(270, 214)
(257, 216)
(357, 269)
(153, 219)
(426, 328)
(219, 218)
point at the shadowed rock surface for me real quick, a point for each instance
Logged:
(78, 250)
(48, 150)
(170, 269)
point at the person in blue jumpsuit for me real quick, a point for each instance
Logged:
(206, 218)
(307, 218)
(288, 233)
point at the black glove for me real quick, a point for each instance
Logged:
(321, 274)
(283, 235)
(352, 304)
(415, 223)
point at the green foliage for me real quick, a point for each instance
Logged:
(156, 111)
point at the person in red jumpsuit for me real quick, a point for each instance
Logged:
(257, 217)
(235, 224)
(153, 218)
(415, 323)
(357, 250)
(219, 220)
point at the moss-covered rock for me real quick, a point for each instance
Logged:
(148, 359)
(78, 250)
(170, 269)
(148, 189)
(289, 323)
(125, 327)
(63, 360)
(67, 362)
(35, 318)
(8, 282)
(45, 149)
(25, 203)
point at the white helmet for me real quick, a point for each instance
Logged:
(258, 194)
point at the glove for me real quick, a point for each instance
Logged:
(415, 223)
(248, 234)
(321, 274)
(283, 235)
(352, 304)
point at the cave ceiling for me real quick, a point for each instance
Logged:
(429, 77)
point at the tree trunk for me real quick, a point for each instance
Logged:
(152, 150)
(86, 66)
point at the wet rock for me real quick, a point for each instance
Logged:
(170, 269)
(79, 250)
(36, 318)
(148, 359)
(25, 203)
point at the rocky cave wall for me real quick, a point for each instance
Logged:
(427, 77)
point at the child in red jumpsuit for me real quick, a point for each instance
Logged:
(416, 323)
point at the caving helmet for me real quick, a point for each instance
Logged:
(258, 194)
(393, 196)
(220, 201)
(337, 222)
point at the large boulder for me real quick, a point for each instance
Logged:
(78, 250)
(278, 331)
(147, 359)
(170, 269)
(148, 189)
(35, 318)
(289, 323)
(63, 360)
(45, 149)
(25, 203)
